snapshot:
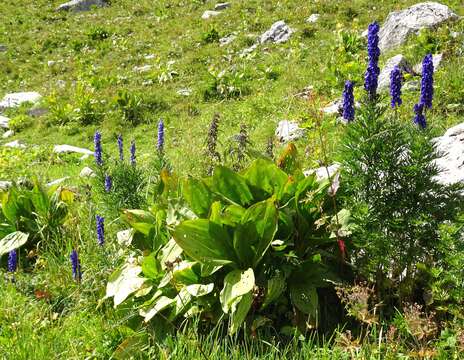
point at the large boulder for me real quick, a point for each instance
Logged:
(81, 5)
(278, 33)
(400, 24)
(451, 162)
(15, 99)
(384, 77)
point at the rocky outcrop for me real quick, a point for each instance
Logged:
(288, 131)
(81, 5)
(278, 33)
(451, 148)
(15, 99)
(399, 25)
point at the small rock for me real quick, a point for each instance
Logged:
(58, 181)
(209, 14)
(249, 50)
(16, 99)
(63, 149)
(384, 77)
(8, 134)
(50, 63)
(142, 69)
(15, 144)
(451, 161)
(226, 40)
(81, 5)
(4, 122)
(149, 57)
(335, 107)
(413, 85)
(278, 33)
(221, 6)
(313, 18)
(124, 237)
(289, 131)
(436, 59)
(400, 24)
(184, 92)
(87, 173)
(5, 185)
(36, 112)
(3, 48)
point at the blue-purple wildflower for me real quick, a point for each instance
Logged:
(76, 266)
(12, 260)
(120, 148)
(160, 143)
(427, 81)
(419, 117)
(348, 102)
(396, 78)
(100, 230)
(371, 78)
(132, 153)
(108, 183)
(98, 149)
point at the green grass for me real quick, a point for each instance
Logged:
(95, 54)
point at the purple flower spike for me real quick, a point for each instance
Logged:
(419, 118)
(98, 149)
(100, 230)
(427, 81)
(132, 153)
(76, 266)
(371, 78)
(160, 144)
(12, 260)
(348, 102)
(121, 148)
(108, 183)
(396, 78)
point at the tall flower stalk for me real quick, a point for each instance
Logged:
(121, 148)
(419, 117)
(100, 230)
(98, 149)
(426, 96)
(160, 142)
(396, 78)
(371, 78)
(108, 183)
(12, 260)
(348, 102)
(132, 153)
(76, 266)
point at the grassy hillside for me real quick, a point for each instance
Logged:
(120, 69)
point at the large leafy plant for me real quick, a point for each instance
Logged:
(255, 244)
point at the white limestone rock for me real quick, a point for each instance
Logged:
(4, 122)
(384, 77)
(143, 68)
(184, 92)
(289, 131)
(87, 173)
(399, 25)
(64, 149)
(5, 185)
(221, 6)
(451, 162)
(8, 134)
(15, 99)
(16, 144)
(279, 32)
(209, 14)
(226, 40)
(81, 5)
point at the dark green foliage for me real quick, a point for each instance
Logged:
(210, 36)
(397, 205)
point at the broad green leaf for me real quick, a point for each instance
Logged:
(305, 299)
(216, 213)
(198, 290)
(246, 239)
(124, 282)
(182, 301)
(170, 253)
(198, 196)
(231, 186)
(205, 241)
(160, 304)
(275, 287)
(40, 200)
(266, 176)
(12, 241)
(141, 220)
(150, 266)
(239, 312)
(208, 269)
(10, 207)
(236, 283)
(183, 272)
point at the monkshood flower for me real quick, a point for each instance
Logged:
(98, 148)
(76, 266)
(108, 183)
(396, 78)
(427, 81)
(132, 153)
(371, 78)
(100, 230)
(419, 117)
(121, 148)
(12, 260)
(160, 144)
(348, 102)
